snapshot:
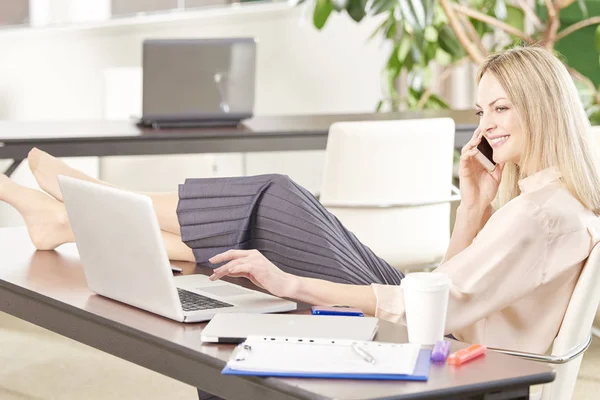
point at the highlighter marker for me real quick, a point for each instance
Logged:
(440, 351)
(464, 355)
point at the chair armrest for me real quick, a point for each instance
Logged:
(562, 359)
(355, 204)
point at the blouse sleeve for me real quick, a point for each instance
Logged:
(502, 264)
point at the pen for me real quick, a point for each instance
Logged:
(464, 355)
(363, 353)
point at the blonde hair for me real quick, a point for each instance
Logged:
(555, 126)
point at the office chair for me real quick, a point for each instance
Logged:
(574, 336)
(390, 183)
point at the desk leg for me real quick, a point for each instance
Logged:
(207, 396)
(9, 171)
(510, 394)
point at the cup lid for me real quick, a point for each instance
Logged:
(425, 281)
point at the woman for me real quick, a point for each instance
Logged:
(512, 272)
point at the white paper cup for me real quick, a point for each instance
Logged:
(426, 303)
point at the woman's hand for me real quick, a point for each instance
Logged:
(251, 264)
(478, 187)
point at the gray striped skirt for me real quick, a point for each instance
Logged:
(281, 219)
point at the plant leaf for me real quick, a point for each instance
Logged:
(449, 43)
(419, 11)
(439, 15)
(339, 5)
(408, 13)
(403, 48)
(383, 26)
(416, 52)
(431, 34)
(429, 6)
(356, 9)
(322, 11)
(598, 38)
(390, 32)
(583, 7)
(515, 17)
(429, 53)
(500, 10)
(436, 101)
(442, 57)
(376, 7)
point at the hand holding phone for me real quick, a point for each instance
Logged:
(478, 173)
(486, 155)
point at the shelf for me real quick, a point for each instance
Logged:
(247, 8)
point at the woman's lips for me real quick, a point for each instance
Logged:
(498, 141)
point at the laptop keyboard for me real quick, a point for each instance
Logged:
(193, 301)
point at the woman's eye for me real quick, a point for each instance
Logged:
(501, 109)
(479, 113)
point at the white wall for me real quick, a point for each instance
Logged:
(56, 73)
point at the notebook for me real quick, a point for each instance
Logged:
(327, 358)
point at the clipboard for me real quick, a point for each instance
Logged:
(331, 359)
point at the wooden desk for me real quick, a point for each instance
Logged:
(123, 138)
(48, 289)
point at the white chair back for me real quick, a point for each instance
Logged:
(576, 328)
(377, 171)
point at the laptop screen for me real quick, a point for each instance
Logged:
(198, 78)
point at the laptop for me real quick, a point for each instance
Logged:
(124, 258)
(197, 82)
(235, 328)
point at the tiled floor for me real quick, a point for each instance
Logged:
(37, 364)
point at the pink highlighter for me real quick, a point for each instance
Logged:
(464, 355)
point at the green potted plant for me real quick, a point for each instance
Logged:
(450, 32)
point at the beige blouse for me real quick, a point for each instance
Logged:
(511, 286)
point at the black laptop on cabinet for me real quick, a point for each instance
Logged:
(197, 82)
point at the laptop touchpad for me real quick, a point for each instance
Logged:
(223, 290)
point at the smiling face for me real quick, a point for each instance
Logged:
(498, 120)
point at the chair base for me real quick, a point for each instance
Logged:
(596, 331)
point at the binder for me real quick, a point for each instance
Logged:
(326, 358)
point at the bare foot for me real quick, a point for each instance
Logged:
(46, 169)
(46, 218)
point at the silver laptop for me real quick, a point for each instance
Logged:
(124, 258)
(235, 328)
(198, 82)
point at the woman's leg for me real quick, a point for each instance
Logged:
(48, 224)
(46, 169)
(282, 220)
(269, 213)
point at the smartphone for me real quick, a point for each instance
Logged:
(337, 310)
(486, 154)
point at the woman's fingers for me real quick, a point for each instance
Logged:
(229, 255)
(229, 265)
(475, 140)
(237, 268)
(223, 270)
(468, 154)
(246, 270)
